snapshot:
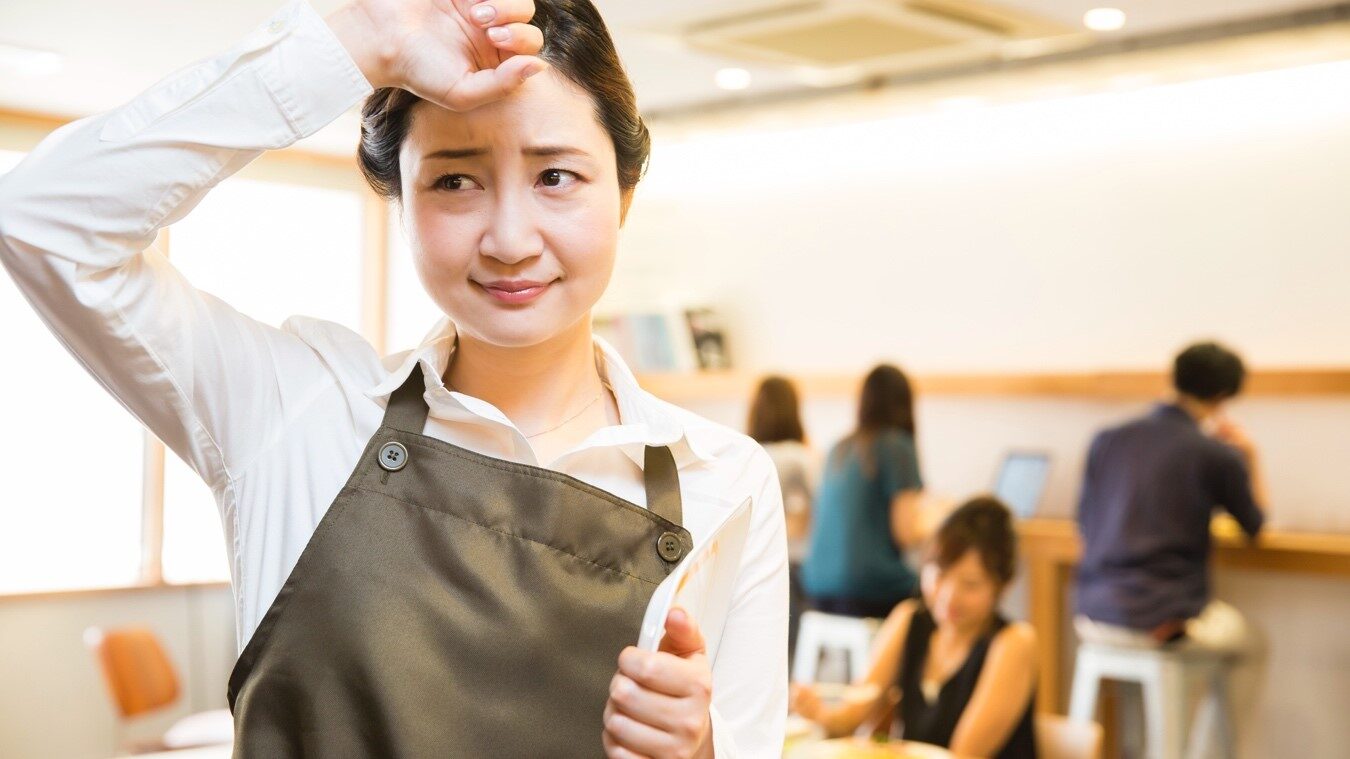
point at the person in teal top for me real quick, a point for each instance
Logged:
(866, 510)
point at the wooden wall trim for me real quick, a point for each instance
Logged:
(1276, 382)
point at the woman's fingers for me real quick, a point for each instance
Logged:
(487, 13)
(667, 673)
(647, 706)
(517, 39)
(481, 87)
(637, 737)
(614, 751)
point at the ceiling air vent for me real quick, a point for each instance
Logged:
(845, 38)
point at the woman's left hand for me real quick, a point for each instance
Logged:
(658, 702)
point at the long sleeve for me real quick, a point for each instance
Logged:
(79, 212)
(750, 690)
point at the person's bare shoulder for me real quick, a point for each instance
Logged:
(1015, 644)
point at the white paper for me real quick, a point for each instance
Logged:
(701, 584)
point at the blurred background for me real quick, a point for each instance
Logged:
(1029, 205)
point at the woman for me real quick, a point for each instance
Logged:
(450, 552)
(965, 674)
(775, 423)
(867, 509)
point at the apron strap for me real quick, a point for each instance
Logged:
(663, 484)
(407, 409)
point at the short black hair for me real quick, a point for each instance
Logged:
(1208, 371)
(984, 525)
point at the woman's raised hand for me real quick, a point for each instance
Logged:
(458, 54)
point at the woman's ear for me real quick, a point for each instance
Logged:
(625, 200)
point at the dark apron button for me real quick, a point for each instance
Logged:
(668, 545)
(393, 457)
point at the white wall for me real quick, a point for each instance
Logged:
(1063, 233)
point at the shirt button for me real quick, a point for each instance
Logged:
(668, 546)
(276, 26)
(393, 457)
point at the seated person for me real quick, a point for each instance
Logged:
(965, 675)
(1149, 491)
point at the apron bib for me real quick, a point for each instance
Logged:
(451, 604)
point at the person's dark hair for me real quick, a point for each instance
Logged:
(983, 525)
(1209, 372)
(886, 403)
(577, 45)
(775, 414)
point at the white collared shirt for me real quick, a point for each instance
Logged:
(274, 420)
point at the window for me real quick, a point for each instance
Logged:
(412, 313)
(270, 250)
(71, 463)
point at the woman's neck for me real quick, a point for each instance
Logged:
(536, 387)
(959, 636)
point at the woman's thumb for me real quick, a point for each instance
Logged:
(484, 86)
(682, 638)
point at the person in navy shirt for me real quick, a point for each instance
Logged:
(1150, 489)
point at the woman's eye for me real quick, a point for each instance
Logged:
(456, 182)
(558, 178)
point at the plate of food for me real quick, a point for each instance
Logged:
(859, 748)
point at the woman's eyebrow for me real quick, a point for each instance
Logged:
(551, 151)
(454, 153)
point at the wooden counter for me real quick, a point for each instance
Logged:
(1051, 548)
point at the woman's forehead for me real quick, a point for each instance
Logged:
(547, 111)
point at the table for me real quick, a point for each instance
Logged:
(1052, 548)
(849, 748)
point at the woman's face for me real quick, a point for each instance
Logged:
(962, 595)
(513, 211)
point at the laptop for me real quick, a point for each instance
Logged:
(1021, 481)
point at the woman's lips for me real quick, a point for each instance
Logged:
(515, 292)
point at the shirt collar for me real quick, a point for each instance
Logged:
(644, 419)
(1172, 411)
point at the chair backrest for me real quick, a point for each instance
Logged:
(136, 668)
(1063, 738)
(819, 632)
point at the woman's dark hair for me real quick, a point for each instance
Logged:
(1208, 371)
(886, 403)
(983, 525)
(577, 45)
(775, 414)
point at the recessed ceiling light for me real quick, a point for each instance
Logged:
(732, 79)
(29, 62)
(1104, 19)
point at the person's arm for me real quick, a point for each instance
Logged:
(845, 718)
(907, 528)
(1239, 485)
(1001, 695)
(79, 212)
(898, 466)
(750, 689)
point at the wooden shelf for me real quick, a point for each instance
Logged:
(714, 386)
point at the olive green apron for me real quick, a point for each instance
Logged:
(451, 604)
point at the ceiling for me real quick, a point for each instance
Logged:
(116, 48)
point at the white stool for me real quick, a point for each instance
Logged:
(1167, 676)
(820, 632)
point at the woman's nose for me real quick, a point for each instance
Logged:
(513, 234)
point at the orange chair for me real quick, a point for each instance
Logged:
(141, 679)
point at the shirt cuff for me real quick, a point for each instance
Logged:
(312, 76)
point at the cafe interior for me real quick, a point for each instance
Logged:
(1030, 207)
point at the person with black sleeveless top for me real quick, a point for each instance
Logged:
(963, 675)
